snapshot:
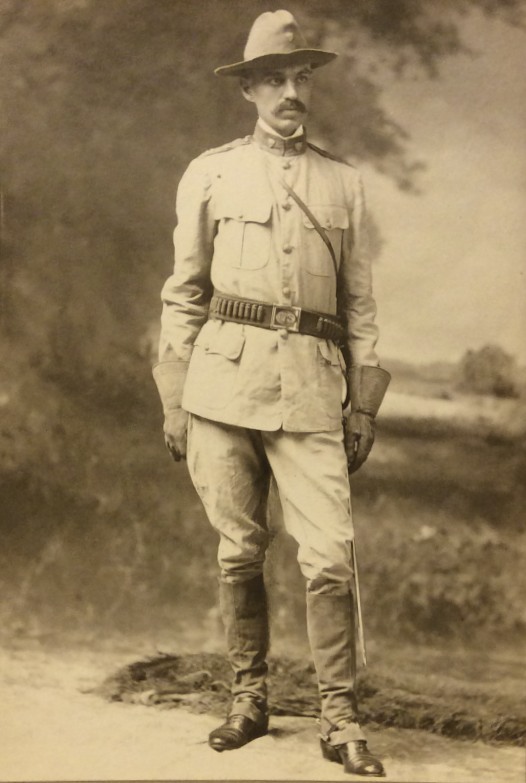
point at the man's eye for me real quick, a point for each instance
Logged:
(302, 78)
(273, 79)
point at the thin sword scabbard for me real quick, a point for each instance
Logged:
(358, 602)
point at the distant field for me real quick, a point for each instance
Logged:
(427, 399)
(439, 380)
(476, 414)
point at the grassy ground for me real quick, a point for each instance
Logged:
(462, 694)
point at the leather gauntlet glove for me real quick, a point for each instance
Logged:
(175, 432)
(169, 378)
(359, 439)
(367, 387)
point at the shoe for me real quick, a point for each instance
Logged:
(236, 732)
(355, 757)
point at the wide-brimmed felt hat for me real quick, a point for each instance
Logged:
(275, 41)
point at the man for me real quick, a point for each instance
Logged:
(271, 286)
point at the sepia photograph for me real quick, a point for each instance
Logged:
(263, 390)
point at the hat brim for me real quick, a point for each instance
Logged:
(314, 57)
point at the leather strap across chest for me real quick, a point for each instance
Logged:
(313, 219)
(315, 222)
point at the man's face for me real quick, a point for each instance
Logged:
(282, 96)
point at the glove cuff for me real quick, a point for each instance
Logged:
(368, 386)
(169, 378)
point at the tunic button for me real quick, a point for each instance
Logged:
(328, 224)
(286, 290)
(283, 333)
(287, 206)
(287, 248)
(286, 165)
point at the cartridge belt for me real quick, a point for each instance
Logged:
(276, 316)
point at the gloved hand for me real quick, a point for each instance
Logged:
(169, 377)
(367, 386)
(359, 439)
(175, 432)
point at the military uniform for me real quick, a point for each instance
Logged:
(239, 231)
(268, 401)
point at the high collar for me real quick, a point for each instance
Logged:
(279, 145)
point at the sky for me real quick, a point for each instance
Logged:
(452, 274)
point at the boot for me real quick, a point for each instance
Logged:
(236, 731)
(245, 617)
(330, 625)
(355, 757)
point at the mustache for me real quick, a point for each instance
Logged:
(292, 104)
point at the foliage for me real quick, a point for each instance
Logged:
(490, 370)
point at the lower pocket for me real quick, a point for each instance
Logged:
(214, 366)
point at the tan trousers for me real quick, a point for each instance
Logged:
(231, 468)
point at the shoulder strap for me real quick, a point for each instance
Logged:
(226, 147)
(315, 222)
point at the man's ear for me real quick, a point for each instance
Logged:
(246, 88)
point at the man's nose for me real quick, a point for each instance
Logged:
(290, 89)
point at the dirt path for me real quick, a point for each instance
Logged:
(51, 729)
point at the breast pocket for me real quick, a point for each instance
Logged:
(334, 220)
(243, 236)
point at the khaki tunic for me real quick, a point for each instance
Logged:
(240, 232)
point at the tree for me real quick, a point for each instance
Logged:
(490, 370)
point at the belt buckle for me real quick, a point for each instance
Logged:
(285, 317)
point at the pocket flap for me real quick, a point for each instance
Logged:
(328, 215)
(226, 340)
(251, 210)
